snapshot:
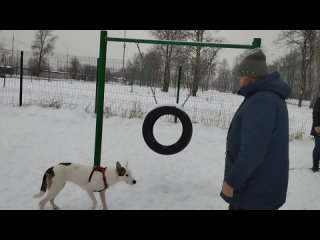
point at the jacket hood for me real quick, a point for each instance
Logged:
(269, 82)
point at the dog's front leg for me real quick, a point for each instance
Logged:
(93, 199)
(103, 199)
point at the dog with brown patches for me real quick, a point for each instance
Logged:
(91, 179)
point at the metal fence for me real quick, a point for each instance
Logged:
(70, 82)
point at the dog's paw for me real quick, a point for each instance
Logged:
(56, 208)
(41, 206)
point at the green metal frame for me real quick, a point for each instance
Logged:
(102, 75)
(100, 97)
(255, 44)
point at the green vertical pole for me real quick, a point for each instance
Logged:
(101, 83)
(95, 103)
(256, 43)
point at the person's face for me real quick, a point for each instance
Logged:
(244, 81)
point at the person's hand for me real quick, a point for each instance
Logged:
(317, 129)
(227, 190)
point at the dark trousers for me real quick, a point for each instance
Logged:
(316, 152)
(232, 207)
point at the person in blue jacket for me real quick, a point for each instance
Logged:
(315, 131)
(257, 152)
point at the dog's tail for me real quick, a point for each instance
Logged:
(44, 185)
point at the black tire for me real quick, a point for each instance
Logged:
(153, 116)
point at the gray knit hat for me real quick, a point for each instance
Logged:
(253, 65)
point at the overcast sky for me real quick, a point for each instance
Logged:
(86, 42)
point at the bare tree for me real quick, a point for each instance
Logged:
(90, 72)
(4, 55)
(288, 67)
(168, 52)
(197, 54)
(152, 62)
(32, 66)
(316, 83)
(224, 79)
(304, 41)
(134, 70)
(43, 45)
(74, 67)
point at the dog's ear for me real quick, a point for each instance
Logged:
(118, 165)
(120, 170)
(126, 165)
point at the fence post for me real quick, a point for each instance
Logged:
(21, 78)
(97, 79)
(178, 90)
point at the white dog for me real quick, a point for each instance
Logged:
(92, 179)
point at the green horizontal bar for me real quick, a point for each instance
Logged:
(256, 43)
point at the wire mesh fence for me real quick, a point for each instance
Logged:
(132, 89)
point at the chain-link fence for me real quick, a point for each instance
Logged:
(132, 88)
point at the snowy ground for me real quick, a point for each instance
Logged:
(33, 139)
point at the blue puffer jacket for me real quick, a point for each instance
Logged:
(257, 156)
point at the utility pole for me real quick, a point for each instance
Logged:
(124, 52)
(67, 58)
(12, 48)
